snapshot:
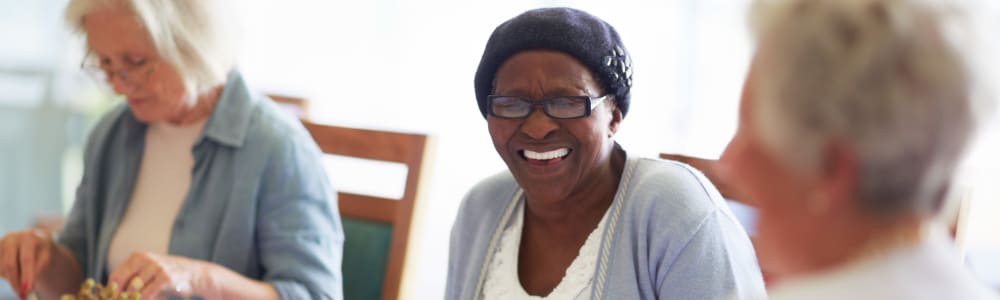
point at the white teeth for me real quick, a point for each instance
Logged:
(546, 155)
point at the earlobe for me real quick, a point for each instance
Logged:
(840, 173)
(616, 120)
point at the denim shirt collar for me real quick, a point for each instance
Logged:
(230, 119)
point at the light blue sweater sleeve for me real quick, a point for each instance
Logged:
(712, 264)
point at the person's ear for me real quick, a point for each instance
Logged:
(616, 120)
(838, 174)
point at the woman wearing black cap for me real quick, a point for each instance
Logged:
(575, 217)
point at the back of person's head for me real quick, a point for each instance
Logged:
(887, 78)
(197, 37)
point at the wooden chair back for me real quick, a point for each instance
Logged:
(294, 105)
(363, 215)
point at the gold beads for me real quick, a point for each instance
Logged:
(136, 284)
(91, 290)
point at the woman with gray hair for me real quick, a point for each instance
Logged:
(197, 186)
(853, 119)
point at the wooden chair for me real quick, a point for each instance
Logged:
(376, 229)
(298, 107)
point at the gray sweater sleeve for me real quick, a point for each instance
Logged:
(712, 264)
(678, 240)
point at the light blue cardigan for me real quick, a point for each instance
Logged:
(669, 235)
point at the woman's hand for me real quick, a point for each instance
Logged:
(24, 255)
(155, 274)
(167, 275)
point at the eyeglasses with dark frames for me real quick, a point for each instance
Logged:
(561, 107)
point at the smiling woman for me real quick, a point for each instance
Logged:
(553, 156)
(554, 86)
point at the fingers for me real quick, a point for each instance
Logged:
(150, 274)
(10, 256)
(43, 252)
(121, 275)
(158, 282)
(23, 256)
(135, 275)
(27, 263)
(41, 262)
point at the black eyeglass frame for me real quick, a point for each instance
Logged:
(590, 103)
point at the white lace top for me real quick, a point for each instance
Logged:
(502, 281)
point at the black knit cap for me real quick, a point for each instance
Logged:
(585, 37)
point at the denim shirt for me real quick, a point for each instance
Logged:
(259, 204)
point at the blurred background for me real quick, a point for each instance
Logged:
(408, 66)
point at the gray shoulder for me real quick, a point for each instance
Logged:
(484, 195)
(477, 219)
(485, 201)
(272, 128)
(673, 193)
